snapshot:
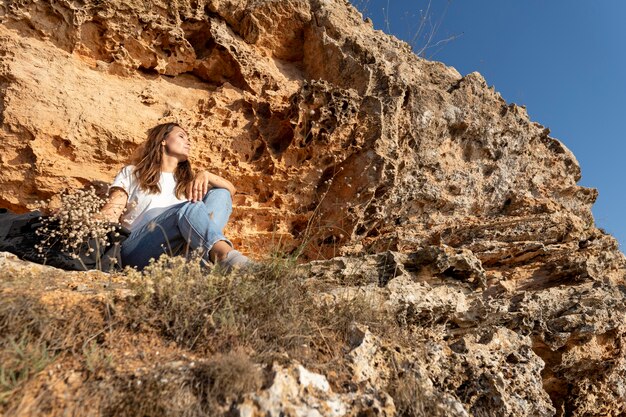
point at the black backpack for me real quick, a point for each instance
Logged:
(17, 235)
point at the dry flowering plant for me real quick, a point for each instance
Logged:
(76, 226)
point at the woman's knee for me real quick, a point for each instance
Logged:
(218, 191)
(221, 194)
(192, 210)
(197, 215)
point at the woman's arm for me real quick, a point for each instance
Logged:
(204, 181)
(115, 205)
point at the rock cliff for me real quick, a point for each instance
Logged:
(398, 177)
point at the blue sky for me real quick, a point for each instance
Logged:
(564, 60)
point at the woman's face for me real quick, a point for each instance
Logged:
(177, 144)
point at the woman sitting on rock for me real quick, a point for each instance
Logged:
(167, 208)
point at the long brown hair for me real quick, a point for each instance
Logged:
(148, 162)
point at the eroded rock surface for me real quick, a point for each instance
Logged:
(399, 176)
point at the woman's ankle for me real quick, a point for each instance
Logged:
(219, 251)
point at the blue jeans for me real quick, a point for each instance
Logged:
(182, 228)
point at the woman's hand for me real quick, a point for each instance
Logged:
(114, 207)
(203, 182)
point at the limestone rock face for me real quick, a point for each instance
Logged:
(529, 349)
(319, 121)
(459, 212)
(299, 392)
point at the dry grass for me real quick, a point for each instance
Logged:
(197, 389)
(408, 392)
(20, 360)
(272, 312)
(236, 320)
(226, 376)
(25, 346)
(33, 335)
(217, 335)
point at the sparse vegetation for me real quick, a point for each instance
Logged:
(273, 311)
(200, 388)
(20, 360)
(202, 339)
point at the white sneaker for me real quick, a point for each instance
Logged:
(233, 259)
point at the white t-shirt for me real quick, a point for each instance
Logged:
(142, 206)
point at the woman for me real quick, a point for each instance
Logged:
(167, 208)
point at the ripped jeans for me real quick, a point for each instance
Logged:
(182, 228)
